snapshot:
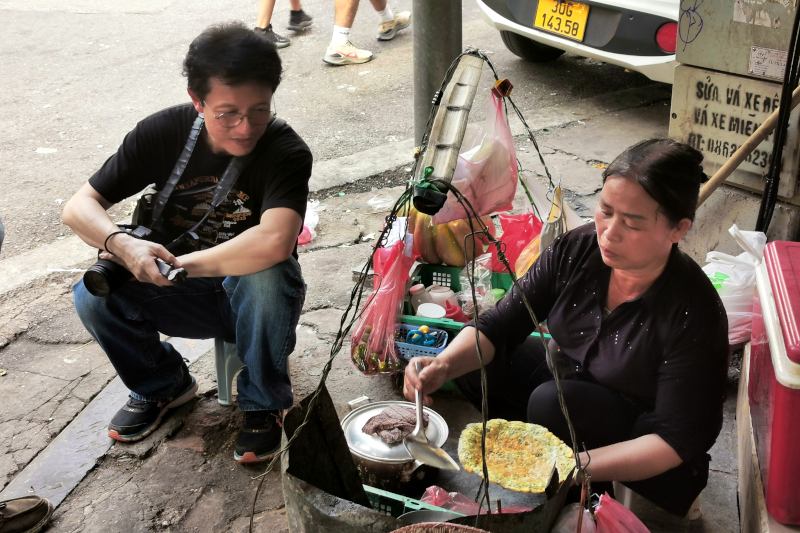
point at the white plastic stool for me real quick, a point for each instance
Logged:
(228, 365)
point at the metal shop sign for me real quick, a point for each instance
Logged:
(746, 37)
(716, 113)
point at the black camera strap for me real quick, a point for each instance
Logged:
(177, 171)
(226, 182)
(229, 177)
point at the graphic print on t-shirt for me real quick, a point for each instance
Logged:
(191, 200)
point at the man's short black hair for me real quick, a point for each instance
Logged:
(233, 53)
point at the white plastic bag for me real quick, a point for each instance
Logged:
(486, 170)
(734, 277)
(310, 222)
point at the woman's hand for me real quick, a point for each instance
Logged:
(432, 375)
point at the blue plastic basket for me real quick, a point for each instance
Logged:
(406, 350)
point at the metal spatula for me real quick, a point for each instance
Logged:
(417, 442)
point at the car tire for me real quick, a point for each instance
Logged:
(528, 49)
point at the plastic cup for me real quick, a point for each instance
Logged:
(430, 310)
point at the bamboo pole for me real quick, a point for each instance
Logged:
(743, 151)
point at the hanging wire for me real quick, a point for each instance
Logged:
(790, 81)
(473, 219)
(477, 227)
(349, 317)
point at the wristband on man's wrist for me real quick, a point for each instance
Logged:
(108, 238)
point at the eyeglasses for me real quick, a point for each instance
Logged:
(256, 117)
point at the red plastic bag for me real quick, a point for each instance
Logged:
(486, 171)
(518, 231)
(372, 347)
(613, 517)
(457, 502)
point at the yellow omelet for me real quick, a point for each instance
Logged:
(519, 456)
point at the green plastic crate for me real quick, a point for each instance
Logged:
(449, 277)
(396, 504)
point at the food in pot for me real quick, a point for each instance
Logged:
(519, 456)
(393, 424)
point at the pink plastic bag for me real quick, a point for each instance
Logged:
(372, 347)
(486, 171)
(457, 502)
(613, 517)
(518, 231)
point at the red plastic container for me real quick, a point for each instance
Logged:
(774, 387)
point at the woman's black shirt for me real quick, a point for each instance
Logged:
(666, 351)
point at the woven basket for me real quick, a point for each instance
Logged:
(438, 527)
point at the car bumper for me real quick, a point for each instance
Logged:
(658, 68)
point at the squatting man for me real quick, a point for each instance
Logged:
(244, 282)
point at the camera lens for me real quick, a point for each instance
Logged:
(104, 276)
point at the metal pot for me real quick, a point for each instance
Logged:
(379, 464)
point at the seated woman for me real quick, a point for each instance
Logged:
(640, 335)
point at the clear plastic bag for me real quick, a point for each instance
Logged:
(486, 171)
(734, 277)
(567, 521)
(372, 347)
(484, 298)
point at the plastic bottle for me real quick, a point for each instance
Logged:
(418, 295)
(439, 294)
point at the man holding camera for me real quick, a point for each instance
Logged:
(232, 186)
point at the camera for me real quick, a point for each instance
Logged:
(103, 277)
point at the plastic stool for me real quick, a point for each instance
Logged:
(228, 365)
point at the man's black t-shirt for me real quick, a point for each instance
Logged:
(277, 175)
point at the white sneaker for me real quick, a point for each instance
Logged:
(346, 54)
(388, 30)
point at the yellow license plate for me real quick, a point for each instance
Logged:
(564, 18)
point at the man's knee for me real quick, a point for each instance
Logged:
(87, 305)
(283, 280)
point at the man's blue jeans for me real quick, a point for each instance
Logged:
(259, 311)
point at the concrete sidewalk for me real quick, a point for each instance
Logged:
(183, 478)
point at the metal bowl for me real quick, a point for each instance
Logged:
(382, 465)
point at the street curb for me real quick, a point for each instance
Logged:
(66, 460)
(67, 253)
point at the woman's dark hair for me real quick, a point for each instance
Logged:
(234, 54)
(669, 171)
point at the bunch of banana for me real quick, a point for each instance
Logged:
(446, 244)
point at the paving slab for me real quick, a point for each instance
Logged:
(58, 468)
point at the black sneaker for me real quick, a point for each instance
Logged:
(28, 514)
(299, 20)
(278, 40)
(260, 436)
(138, 418)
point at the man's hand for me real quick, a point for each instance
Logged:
(138, 256)
(430, 378)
